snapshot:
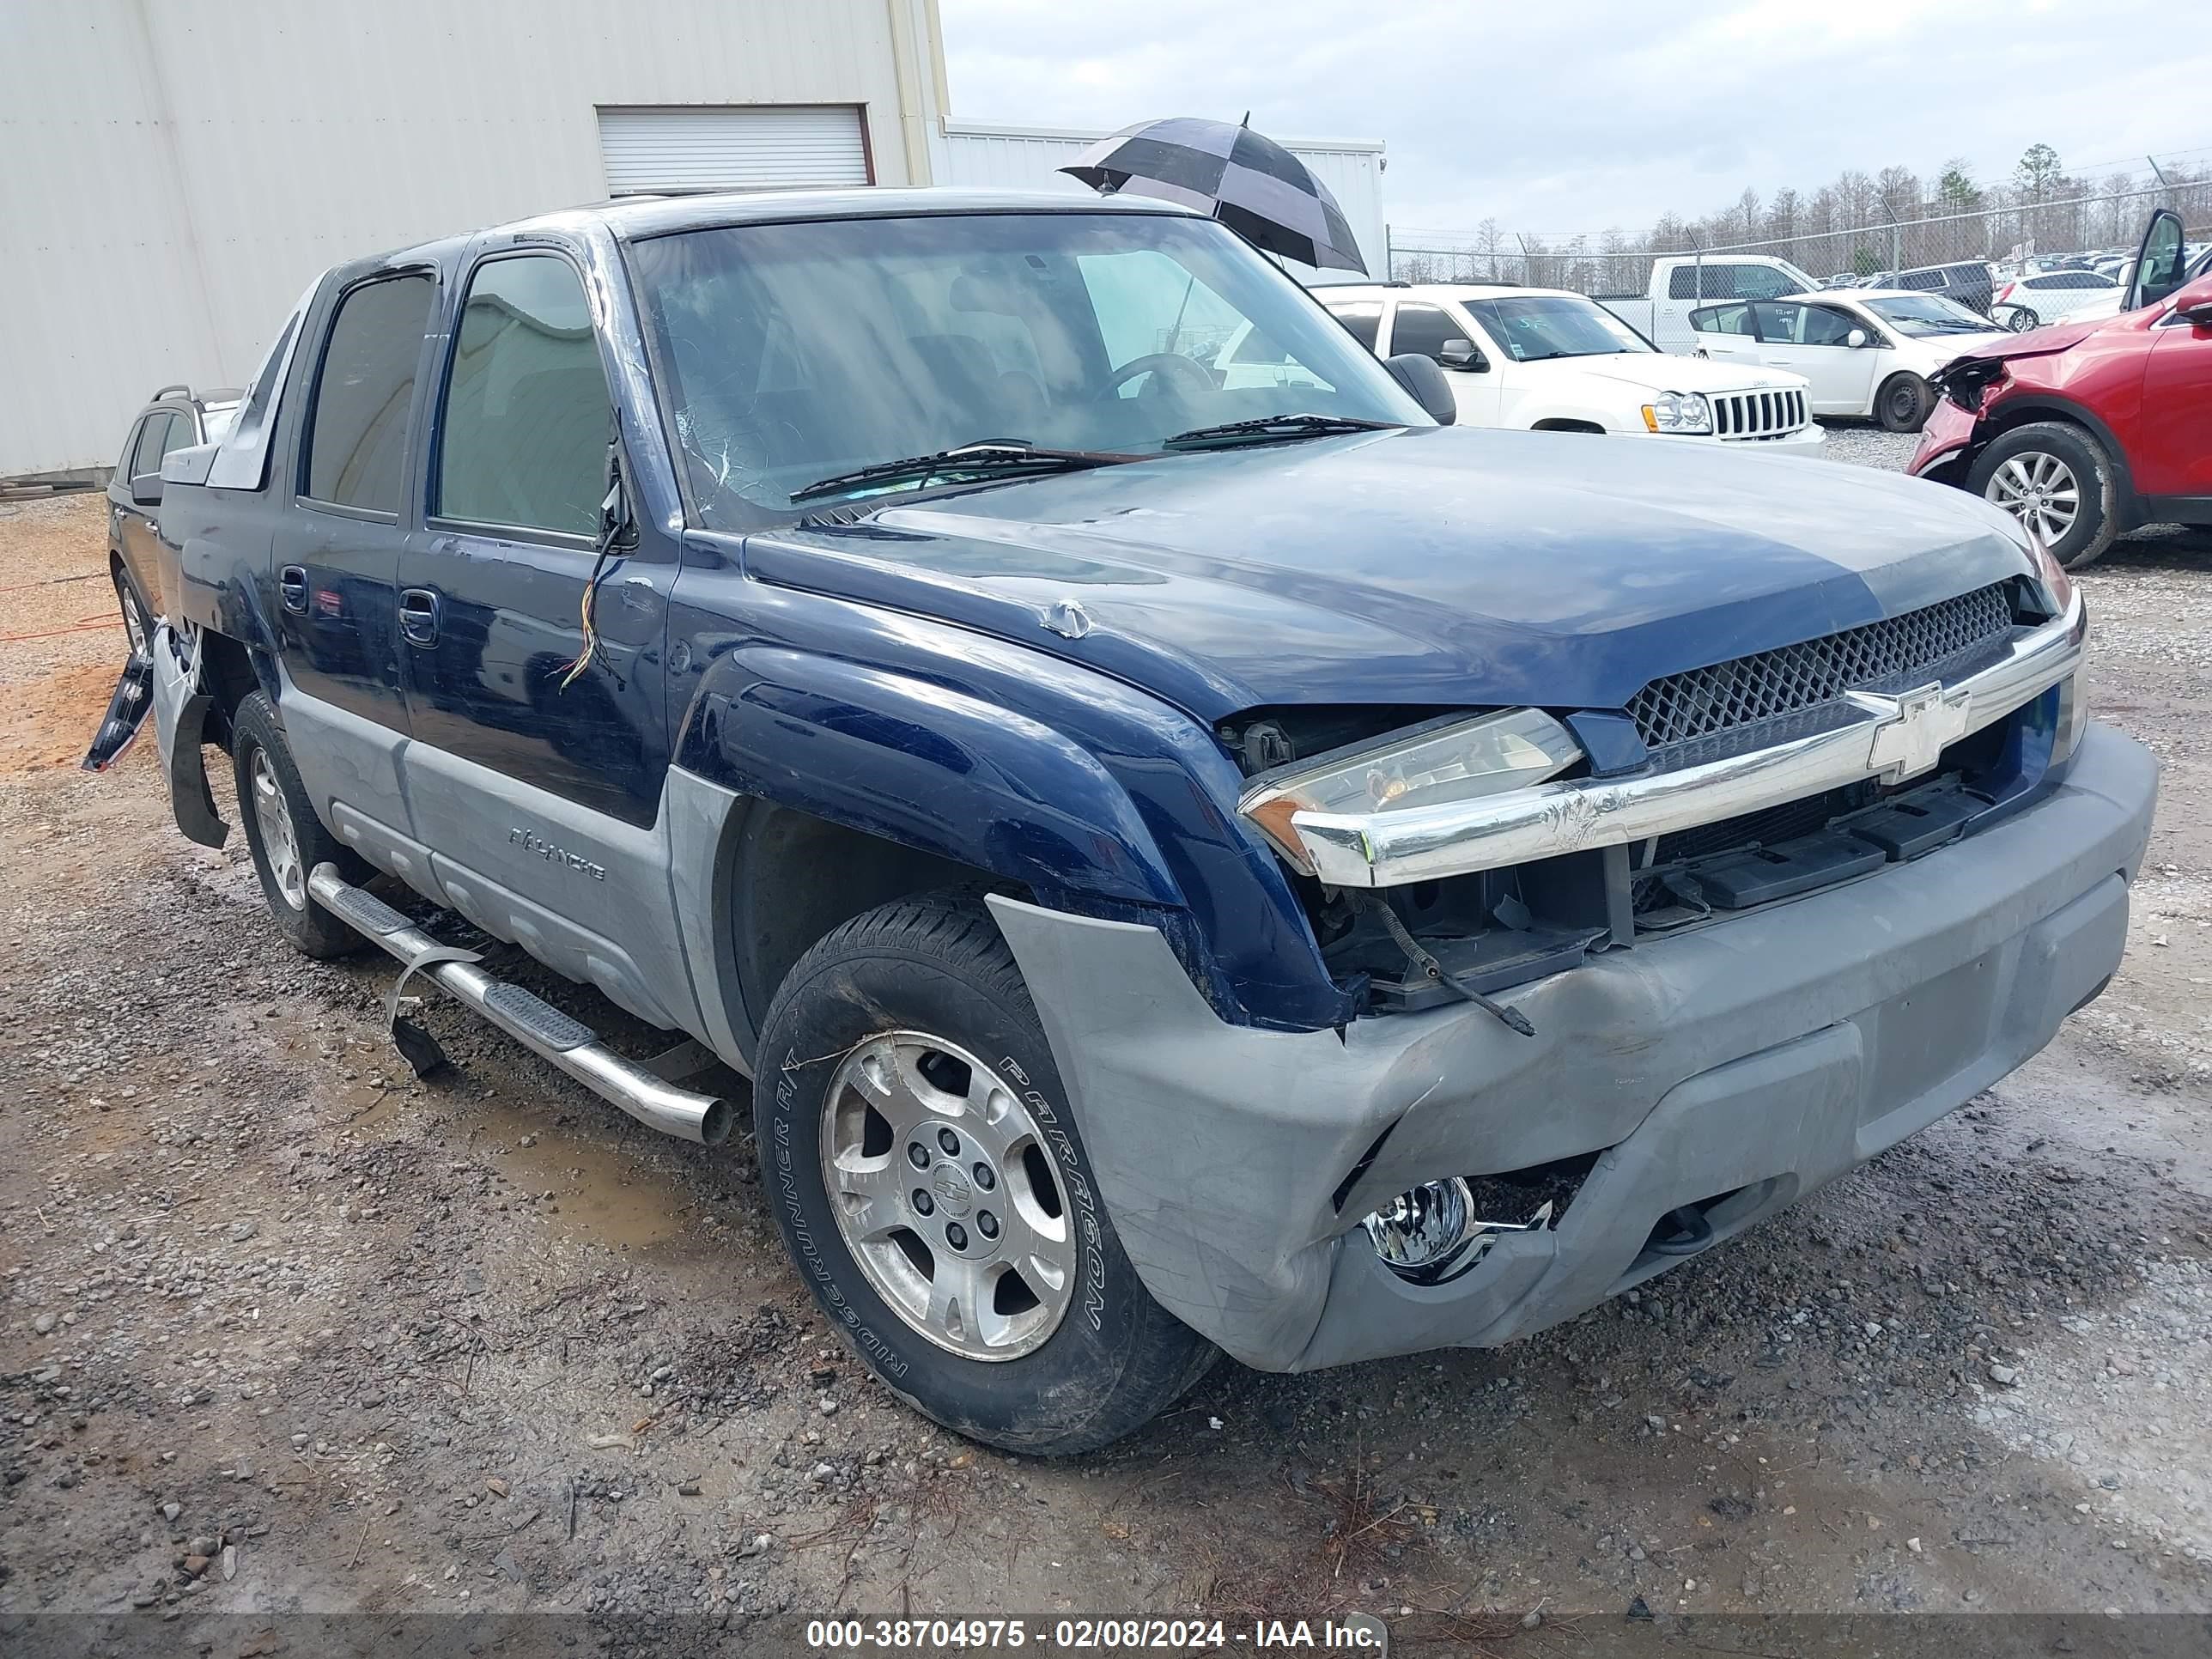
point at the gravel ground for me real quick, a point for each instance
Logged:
(283, 1330)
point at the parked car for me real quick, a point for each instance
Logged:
(2084, 429)
(1680, 283)
(1865, 352)
(1544, 360)
(1208, 867)
(1967, 283)
(175, 418)
(2031, 301)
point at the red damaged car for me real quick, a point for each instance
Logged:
(2083, 430)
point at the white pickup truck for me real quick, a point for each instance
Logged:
(1681, 283)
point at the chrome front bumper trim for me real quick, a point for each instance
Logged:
(1891, 738)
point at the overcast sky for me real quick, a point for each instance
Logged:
(1586, 114)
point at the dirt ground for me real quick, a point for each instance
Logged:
(283, 1331)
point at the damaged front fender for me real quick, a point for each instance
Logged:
(180, 708)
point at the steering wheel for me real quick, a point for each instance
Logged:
(1162, 366)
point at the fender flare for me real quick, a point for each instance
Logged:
(1096, 798)
(935, 769)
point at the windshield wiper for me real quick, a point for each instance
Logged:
(986, 456)
(1270, 427)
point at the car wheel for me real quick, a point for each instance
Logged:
(137, 619)
(1903, 403)
(2022, 319)
(285, 838)
(2058, 481)
(931, 1185)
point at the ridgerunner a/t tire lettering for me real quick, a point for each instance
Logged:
(931, 1187)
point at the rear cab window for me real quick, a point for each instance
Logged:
(355, 448)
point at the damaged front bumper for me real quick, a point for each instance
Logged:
(1722, 1073)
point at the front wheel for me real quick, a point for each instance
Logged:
(933, 1188)
(2057, 481)
(1903, 403)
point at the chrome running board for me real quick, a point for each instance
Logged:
(536, 1024)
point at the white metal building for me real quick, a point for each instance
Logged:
(172, 173)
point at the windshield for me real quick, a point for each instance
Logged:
(1925, 315)
(1531, 328)
(793, 353)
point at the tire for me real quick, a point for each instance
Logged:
(2022, 319)
(2036, 473)
(137, 616)
(901, 1059)
(274, 805)
(1903, 402)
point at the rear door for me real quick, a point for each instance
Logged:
(337, 550)
(159, 432)
(1726, 333)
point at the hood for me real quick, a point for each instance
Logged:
(1439, 565)
(2037, 342)
(1936, 350)
(1664, 371)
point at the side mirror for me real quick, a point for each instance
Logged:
(1464, 355)
(1856, 338)
(1421, 377)
(2194, 301)
(146, 490)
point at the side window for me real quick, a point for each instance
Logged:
(1682, 284)
(1757, 282)
(1722, 319)
(1824, 327)
(1780, 325)
(357, 428)
(153, 442)
(1423, 328)
(523, 435)
(1364, 319)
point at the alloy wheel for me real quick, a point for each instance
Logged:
(2040, 489)
(948, 1196)
(280, 845)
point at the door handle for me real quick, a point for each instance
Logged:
(292, 583)
(418, 615)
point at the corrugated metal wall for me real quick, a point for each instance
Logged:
(172, 173)
(1023, 158)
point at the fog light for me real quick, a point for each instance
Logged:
(1422, 1233)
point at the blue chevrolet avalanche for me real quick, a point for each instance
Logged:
(1190, 862)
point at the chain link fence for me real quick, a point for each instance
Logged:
(2021, 235)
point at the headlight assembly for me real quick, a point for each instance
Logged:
(1683, 412)
(1455, 760)
(2055, 582)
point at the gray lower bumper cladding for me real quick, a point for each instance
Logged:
(1751, 1062)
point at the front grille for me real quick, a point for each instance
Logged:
(1704, 701)
(1749, 417)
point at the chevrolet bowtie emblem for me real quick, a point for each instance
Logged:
(1912, 729)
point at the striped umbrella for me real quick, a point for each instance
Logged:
(1250, 183)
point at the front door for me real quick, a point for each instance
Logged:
(499, 669)
(2173, 454)
(1813, 341)
(1417, 326)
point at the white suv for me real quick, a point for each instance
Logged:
(1546, 360)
